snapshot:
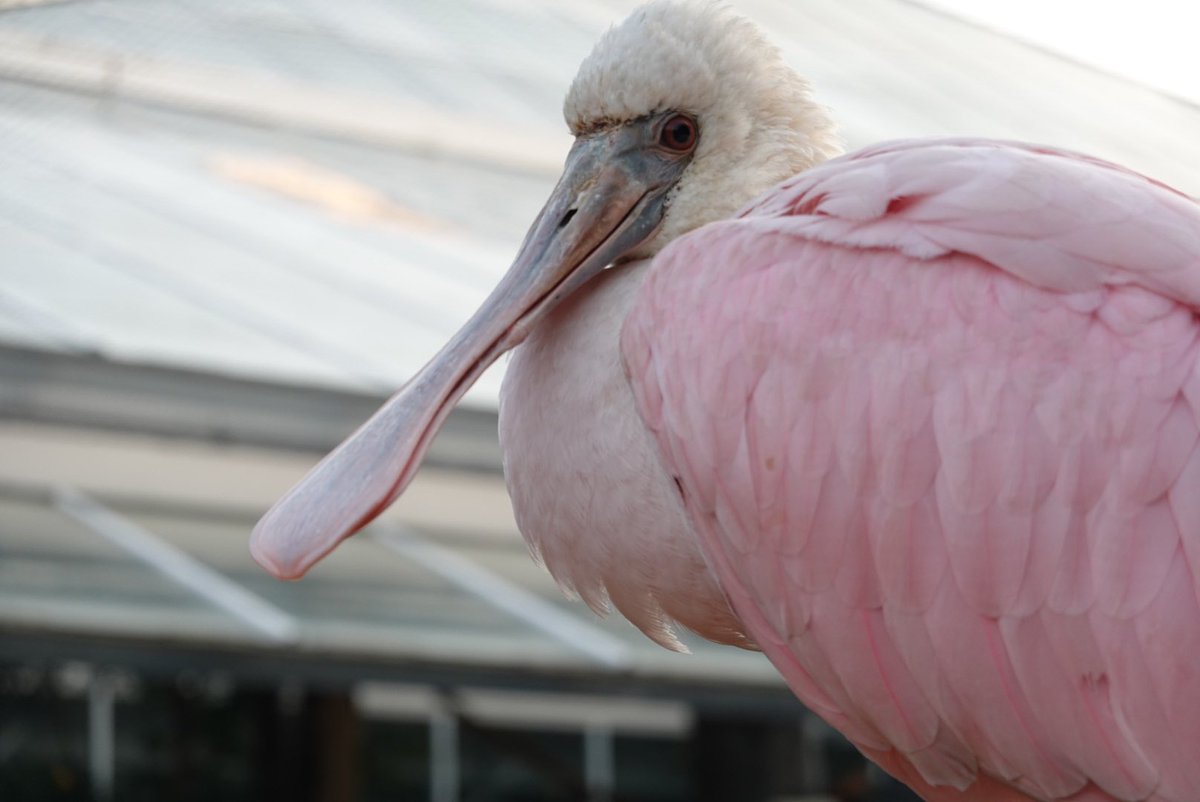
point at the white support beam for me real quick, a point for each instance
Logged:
(102, 735)
(444, 770)
(183, 568)
(515, 600)
(599, 763)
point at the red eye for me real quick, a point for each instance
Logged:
(679, 134)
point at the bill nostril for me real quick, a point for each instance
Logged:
(567, 217)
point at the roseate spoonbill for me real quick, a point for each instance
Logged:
(919, 422)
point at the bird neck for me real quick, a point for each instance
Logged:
(588, 490)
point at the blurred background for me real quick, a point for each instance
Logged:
(229, 229)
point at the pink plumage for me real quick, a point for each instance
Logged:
(934, 412)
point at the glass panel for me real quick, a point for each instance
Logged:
(43, 737)
(652, 769)
(501, 765)
(395, 760)
(191, 739)
(362, 596)
(57, 574)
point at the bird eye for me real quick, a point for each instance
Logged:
(679, 134)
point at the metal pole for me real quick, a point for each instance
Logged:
(443, 753)
(599, 771)
(101, 736)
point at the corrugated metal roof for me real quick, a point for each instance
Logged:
(320, 194)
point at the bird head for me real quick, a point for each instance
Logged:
(702, 108)
(681, 114)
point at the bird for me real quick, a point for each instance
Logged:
(919, 422)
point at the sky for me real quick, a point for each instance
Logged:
(1154, 42)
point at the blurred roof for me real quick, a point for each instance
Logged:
(230, 227)
(152, 557)
(319, 194)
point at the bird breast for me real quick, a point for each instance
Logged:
(588, 491)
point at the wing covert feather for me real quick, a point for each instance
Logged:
(934, 410)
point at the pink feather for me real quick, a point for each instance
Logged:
(935, 408)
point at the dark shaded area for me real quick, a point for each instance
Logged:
(651, 769)
(395, 761)
(766, 754)
(43, 739)
(200, 735)
(503, 765)
(853, 779)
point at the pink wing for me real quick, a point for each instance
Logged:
(934, 411)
